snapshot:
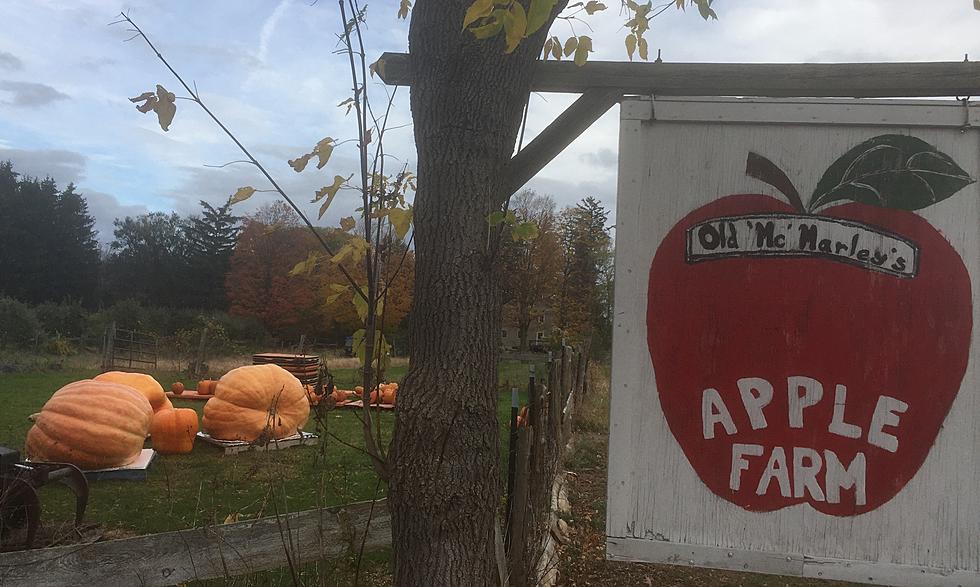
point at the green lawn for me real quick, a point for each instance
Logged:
(205, 486)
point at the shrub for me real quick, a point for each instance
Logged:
(18, 323)
(59, 345)
(68, 318)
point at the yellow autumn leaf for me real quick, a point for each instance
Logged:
(403, 9)
(401, 220)
(323, 150)
(299, 164)
(338, 287)
(556, 49)
(515, 24)
(347, 223)
(538, 14)
(548, 45)
(330, 191)
(644, 52)
(582, 50)
(342, 254)
(490, 29)
(630, 45)
(164, 103)
(592, 6)
(242, 194)
(570, 45)
(360, 248)
(476, 11)
(361, 307)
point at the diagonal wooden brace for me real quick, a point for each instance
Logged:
(571, 123)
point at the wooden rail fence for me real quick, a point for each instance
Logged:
(212, 552)
(539, 457)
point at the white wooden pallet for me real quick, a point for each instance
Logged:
(233, 447)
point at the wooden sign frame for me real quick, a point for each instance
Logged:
(677, 156)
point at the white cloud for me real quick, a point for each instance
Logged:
(274, 79)
(268, 29)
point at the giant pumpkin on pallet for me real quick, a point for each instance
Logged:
(91, 424)
(142, 383)
(256, 402)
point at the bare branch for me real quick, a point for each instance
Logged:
(253, 160)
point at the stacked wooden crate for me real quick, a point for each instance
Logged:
(304, 367)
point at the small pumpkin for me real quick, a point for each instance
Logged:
(91, 424)
(206, 387)
(340, 396)
(141, 382)
(177, 388)
(312, 396)
(255, 402)
(522, 417)
(173, 431)
(388, 393)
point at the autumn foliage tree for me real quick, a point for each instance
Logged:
(258, 282)
(530, 268)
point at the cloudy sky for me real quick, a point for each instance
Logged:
(269, 70)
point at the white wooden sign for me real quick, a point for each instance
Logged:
(795, 384)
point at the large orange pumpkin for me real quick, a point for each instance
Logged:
(91, 424)
(173, 431)
(256, 402)
(142, 383)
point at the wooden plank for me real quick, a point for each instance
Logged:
(887, 573)
(671, 553)
(803, 80)
(839, 111)
(203, 553)
(135, 471)
(559, 134)
(234, 447)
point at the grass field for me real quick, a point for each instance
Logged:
(206, 487)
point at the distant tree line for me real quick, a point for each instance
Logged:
(168, 273)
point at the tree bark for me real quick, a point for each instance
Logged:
(444, 490)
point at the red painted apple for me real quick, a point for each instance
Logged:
(811, 353)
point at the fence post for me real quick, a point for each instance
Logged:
(199, 365)
(511, 458)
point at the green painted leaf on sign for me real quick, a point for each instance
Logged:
(891, 171)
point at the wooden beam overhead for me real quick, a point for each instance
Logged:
(782, 80)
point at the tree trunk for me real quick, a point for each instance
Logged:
(467, 98)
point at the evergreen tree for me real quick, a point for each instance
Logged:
(587, 252)
(211, 240)
(48, 249)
